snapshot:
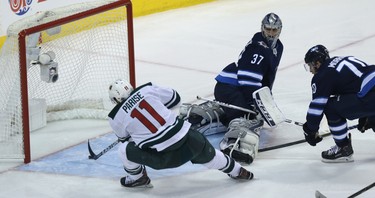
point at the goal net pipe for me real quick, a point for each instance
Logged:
(23, 63)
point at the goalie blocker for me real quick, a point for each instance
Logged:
(267, 107)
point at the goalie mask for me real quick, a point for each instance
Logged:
(271, 28)
(119, 91)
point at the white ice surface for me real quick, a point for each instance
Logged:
(185, 49)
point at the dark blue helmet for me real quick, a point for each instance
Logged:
(317, 53)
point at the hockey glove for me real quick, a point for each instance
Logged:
(311, 137)
(124, 139)
(364, 124)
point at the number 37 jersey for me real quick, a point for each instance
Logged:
(146, 117)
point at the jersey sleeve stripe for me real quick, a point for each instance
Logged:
(163, 136)
(174, 100)
(367, 84)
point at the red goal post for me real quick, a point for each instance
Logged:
(63, 59)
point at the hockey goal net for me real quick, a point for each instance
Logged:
(60, 63)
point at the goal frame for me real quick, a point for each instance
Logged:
(23, 63)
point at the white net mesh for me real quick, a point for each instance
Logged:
(90, 53)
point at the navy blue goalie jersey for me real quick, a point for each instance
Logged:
(338, 76)
(256, 66)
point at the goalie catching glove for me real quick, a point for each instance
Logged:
(311, 137)
(241, 142)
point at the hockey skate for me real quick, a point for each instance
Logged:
(338, 154)
(243, 175)
(142, 182)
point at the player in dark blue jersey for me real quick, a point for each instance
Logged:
(342, 88)
(255, 68)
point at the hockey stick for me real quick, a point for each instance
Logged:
(298, 141)
(320, 195)
(362, 190)
(96, 156)
(227, 105)
(266, 118)
(288, 144)
(293, 122)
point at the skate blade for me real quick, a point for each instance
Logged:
(339, 160)
(139, 187)
(145, 186)
(149, 185)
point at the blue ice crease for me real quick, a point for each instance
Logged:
(74, 161)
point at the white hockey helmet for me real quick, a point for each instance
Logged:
(119, 91)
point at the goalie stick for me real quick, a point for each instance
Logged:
(227, 105)
(272, 118)
(96, 156)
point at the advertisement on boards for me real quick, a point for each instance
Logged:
(14, 10)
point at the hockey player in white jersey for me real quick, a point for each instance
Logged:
(152, 135)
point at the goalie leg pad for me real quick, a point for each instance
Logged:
(242, 140)
(250, 144)
(254, 125)
(231, 148)
(204, 117)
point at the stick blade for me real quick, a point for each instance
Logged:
(319, 194)
(92, 154)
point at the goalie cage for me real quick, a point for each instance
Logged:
(93, 46)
